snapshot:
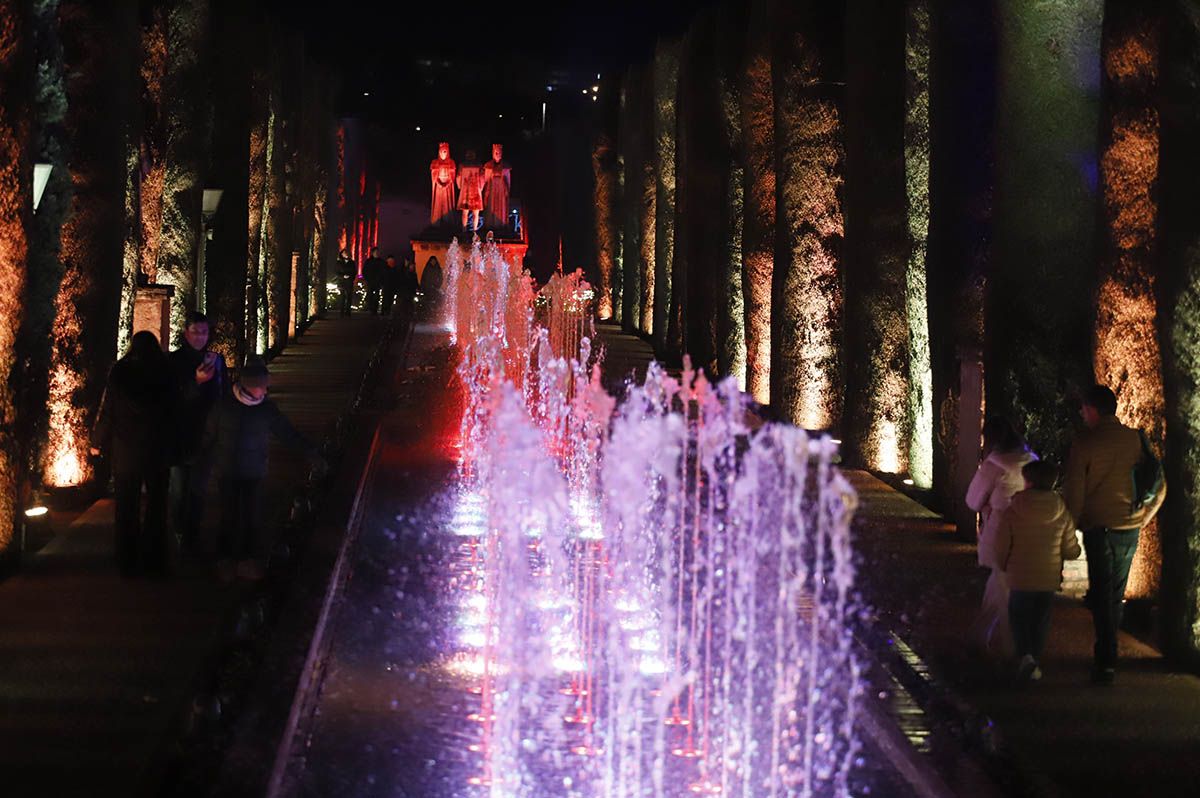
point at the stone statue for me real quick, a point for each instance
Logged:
(470, 192)
(497, 180)
(442, 171)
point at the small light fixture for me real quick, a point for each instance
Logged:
(836, 441)
(211, 201)
(595, 88)
(37, 511)
(500, 116)
(585, 91)
(908, 481)
(366, 94)
(418, 128)
(41, 176)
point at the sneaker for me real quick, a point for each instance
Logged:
(1025, 669)
(1035, 675)
(249, 570)
(226, 570)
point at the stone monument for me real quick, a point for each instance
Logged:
(497, 182)
(442, 173)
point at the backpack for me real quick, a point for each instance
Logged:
(1147, 477)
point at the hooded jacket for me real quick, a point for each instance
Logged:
(995, 482)
(1034, 534)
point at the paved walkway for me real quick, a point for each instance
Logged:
(97, 674)
(1139, 737)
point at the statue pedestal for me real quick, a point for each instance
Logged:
(152, 311)
(434, 244)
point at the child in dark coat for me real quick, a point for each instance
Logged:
(238, 438)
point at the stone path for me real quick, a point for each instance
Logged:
(97, 674)
(1138, 737)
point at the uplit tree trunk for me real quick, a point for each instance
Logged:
(758, 217)
(258, 218)
(16, 168)
(962, 114)
(186, 137)
(227, 253)
(44, 264)
(1126, 349)
(916, 180)
(666, 88)
(807, 292)
(634, 141)
(97, 44)
(1180, 328)
(604, 170)
(647, 203)
(1039, 321)
(876, 249)
(730, 49)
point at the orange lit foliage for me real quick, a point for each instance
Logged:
(14, 185)
(758, 243)
(807, 304)
(154, 172)
(1127, 354)
(341, 187)
(604, 172)
(257, 193)
(666, 86)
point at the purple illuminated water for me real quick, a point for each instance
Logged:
(652, 595)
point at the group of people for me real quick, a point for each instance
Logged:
(1028, 529)
(389, 283)
(166, 422)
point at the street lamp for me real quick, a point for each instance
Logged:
(41, 176)
(210, 201)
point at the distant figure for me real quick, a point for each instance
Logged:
(996, 479)
(373, 276)
(347, 270)
(442, 178)
(470, 192)
(200, 380)
(238, 434)
(1100, 493)
(392, 274)
(1034, 535)
(497, 182)
(133, 429)
(409, 286)
(431, 285)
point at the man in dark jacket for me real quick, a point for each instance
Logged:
(132, 430)
(238, 434)
(347, 270)
(200, 381)
(392, 274)
(373, 274)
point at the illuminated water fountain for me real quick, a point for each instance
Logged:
(654, 595)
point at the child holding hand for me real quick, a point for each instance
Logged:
(1034, 536)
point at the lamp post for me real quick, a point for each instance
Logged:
(208, 209)
(41, 176)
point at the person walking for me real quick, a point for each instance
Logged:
(239, 432)
(373, 275)
(347, 270)
(996, 480)
(1102, 498)
(390, 284)
(200, 381)
(132, 430)
(409, 287)
(1034, 534)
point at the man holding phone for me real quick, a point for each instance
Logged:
(201, 380)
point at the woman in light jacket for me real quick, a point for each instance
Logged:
(996, 479)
